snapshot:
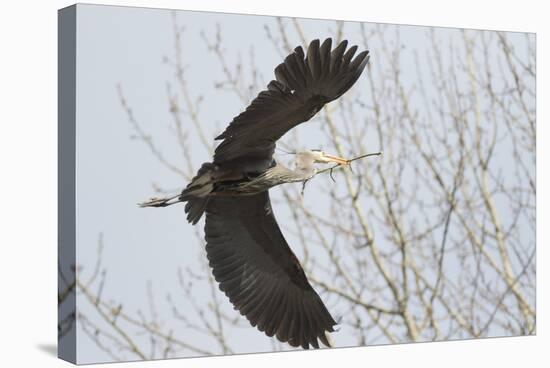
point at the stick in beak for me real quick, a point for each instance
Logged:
(338, 160)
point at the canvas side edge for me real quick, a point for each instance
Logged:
(66, 184)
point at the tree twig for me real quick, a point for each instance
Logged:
(332, 168)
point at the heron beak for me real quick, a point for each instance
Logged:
(338, 160)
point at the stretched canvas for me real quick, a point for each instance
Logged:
(235, 184)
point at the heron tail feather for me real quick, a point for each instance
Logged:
(195, 208)
(196, 193)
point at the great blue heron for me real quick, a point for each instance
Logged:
(249, 255)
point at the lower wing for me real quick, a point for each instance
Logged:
(260, 274)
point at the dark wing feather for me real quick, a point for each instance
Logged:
(260, 274)
(303, 85)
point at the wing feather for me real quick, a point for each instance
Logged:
(313, 60)
(324, 53)
(282, 324)
(336, 57)
(264, 316)
(347, 57)
(276, 312)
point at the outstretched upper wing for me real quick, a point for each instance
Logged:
(303, 85)
(260, 274)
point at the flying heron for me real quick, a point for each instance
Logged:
(248, 254)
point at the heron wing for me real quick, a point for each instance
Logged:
(260, 274)
(303, 85)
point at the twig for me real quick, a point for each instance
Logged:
(330, 169)
(349, 162)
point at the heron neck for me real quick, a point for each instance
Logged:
(301, 173)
